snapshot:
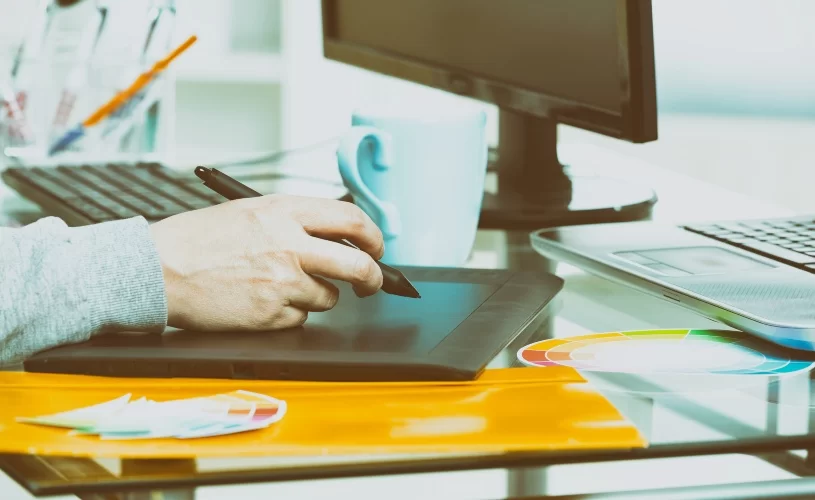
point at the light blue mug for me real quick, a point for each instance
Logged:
(420, 177)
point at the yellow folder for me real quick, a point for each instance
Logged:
(514, 409)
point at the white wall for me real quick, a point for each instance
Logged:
(716, 59)
(748, 57)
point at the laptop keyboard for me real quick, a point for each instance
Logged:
(790, 241)
(90, 194)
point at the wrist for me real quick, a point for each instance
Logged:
(170, 272)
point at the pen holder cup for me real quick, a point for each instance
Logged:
(49, 99)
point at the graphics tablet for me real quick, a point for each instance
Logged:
(463, 320)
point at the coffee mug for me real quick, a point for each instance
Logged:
(420, 178)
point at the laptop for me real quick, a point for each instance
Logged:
(757, 276)
(465, 318)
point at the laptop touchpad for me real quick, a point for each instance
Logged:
(689, 261)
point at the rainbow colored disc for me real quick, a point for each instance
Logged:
(661, 351)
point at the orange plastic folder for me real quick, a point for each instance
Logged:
(505, 410)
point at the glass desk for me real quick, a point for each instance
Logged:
(769, 420)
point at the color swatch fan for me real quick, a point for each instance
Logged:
(696, 359)
(123, 418)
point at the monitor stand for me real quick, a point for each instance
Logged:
(534, 191)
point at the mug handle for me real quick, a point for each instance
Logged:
(384, 214)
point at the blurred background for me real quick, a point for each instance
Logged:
(736, 99)
(735, 79)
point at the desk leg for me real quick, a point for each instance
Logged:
(809, 461)
(529, 482)
(520, 256)
(155, 466)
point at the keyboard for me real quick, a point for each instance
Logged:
(790, 241)
(98, 193)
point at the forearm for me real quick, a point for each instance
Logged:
(62, 285)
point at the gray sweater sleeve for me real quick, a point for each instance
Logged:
(63, 285)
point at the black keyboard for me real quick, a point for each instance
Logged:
(791, 241)
(98, 193)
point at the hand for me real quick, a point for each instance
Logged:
(258, 264)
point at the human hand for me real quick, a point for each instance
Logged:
(260, 263)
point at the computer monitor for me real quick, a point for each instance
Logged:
(585, 63)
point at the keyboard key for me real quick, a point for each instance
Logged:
(175, 192)
(204, 192)
(168, 205)
(773, 241)
(140, 206)
(91, 211)
(722, 233)
(121, 211)
(775, 232)
(778, 252)
(197, 203)
(732, 227)
(144, 191)
(757, 225)
(151, 173)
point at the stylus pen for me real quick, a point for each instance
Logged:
(393, 281)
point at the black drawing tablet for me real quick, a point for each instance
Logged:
(463, 320)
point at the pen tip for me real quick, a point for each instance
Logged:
(414, 293)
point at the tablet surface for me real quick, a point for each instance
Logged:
(463, 320)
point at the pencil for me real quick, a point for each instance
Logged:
(137, 85)
(121, 98)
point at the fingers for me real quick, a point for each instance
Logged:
(290, 317)
(315, 294)
(339, 220)
(335, 261)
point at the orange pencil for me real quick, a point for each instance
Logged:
(121, 98)
(137, 85)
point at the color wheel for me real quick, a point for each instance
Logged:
(680, 352)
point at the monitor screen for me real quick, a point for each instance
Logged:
(563, 49)
(584, 62)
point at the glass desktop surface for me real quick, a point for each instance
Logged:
(770, 420)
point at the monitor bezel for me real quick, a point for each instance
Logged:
(636, 122)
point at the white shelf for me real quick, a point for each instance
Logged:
(249, 83)
(233, 67)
